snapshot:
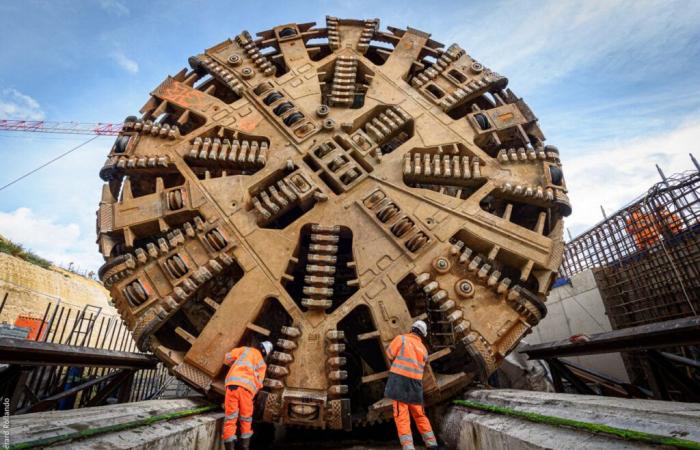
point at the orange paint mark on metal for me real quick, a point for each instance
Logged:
(249, 123)
(180, 94)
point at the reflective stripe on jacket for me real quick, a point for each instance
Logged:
(408, 356)
(247, 368)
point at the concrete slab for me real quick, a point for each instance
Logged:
(466, 429)
(201, 431)
(461, 428)
(471, 430)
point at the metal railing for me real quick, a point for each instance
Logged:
(28, 386)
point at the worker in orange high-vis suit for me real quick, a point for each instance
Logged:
(672, 221)
(408, 357)
(244, 379)
(643, 229)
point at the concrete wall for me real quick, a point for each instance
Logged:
(577, 308)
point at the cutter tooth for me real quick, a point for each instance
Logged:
(503, 285)
(430, 287)
(422, 279)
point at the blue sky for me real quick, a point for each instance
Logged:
(616, 85)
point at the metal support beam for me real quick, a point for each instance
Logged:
(680, 332)
(125, 390)
(655, 380)
(560, 371)
(34, 353)
(608, 385)
(49, 402)
(112, 386)
(20, 383)
(688, 387)
(681, 359)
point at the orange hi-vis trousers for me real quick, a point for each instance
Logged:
(238, 406)
(402, 416)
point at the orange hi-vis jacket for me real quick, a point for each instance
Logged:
(672, 221)
(247, 368)
(643, 228)
(408, 356)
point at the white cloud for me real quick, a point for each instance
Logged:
(577, 128)
(125, 62)
(59, 243)
(16, 105)
(541, 41)
(115, 7)
(614, 174)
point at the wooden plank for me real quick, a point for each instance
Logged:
(368, 336)
(447, 381)
(429, 381)
(439, 354)
(381, 375)
(258, 329)
(184, 334)
(375, 377)
(211, 303)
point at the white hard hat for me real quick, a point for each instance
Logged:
(267, 347)
(421, 327)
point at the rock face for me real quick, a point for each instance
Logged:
(30, 289)
(323, 188)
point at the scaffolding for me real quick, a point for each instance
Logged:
(646, 256)
(646, 262)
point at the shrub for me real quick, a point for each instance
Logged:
(18, 251)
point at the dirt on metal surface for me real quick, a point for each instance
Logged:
(323, 188)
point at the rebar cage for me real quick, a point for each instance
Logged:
(646, 256)
(646, 262)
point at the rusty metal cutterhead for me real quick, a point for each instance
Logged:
(323, 188)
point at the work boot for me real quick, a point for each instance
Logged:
(244, 444)
(230, 445)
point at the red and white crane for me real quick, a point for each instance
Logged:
(42, 126)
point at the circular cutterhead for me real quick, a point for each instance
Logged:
(236, 210)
